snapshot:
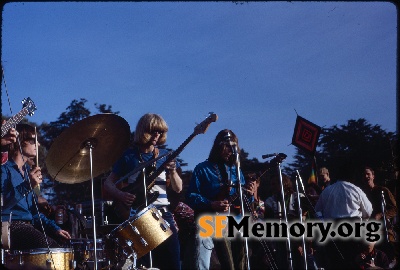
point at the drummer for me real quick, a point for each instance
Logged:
(151, 131)
(19, 207)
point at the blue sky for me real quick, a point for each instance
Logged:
(254, 64)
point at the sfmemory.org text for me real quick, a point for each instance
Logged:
(217, 226)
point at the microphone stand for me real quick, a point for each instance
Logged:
(289, 252)
(315, 212)
(384, 216)
(241, 201)
(301, 219)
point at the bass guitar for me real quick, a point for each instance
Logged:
(28, 108)
(137, 188)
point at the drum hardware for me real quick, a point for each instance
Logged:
(140, 234)
(53, 258)
(100, 140)
(163, 227)
(155, 216)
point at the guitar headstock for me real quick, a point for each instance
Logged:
(28, 104)
(203, 126)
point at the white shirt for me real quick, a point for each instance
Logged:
(343, 200)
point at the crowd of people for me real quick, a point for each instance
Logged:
(217, 186)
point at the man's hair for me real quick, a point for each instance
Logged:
(147, 124)
(323, 170)
(25, 132)
(223, 139)
(369, 168)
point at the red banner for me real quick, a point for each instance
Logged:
(306, 135)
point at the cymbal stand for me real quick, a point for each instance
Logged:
(90, 145)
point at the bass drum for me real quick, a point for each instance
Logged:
(42, 258)
(141, 233)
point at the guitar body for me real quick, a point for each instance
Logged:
(122, 211)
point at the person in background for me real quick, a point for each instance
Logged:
(17, 182)
(339, 202)
(374, 194)
(372, 258)
(323, 178)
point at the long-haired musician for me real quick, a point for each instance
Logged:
(19, 207)
(213, 181)
(151, 132)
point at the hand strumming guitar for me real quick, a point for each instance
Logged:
(127, 198)
(220, 206)
(250, 188)
(116, 194)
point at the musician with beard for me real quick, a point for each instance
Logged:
(212, 182)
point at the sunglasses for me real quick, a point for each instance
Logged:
(155, 132)
(31, 141)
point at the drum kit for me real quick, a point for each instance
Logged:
(85, 150)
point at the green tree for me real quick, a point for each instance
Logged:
(67, 193)
(76, 111)
(346, 149)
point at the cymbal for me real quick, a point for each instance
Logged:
(68, 160)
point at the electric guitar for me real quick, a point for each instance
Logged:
(224, 193)
(137, 188)
(28, 109)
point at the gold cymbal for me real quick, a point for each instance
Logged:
(68, 160)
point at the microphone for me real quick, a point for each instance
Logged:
(233, 145)
(269, 155)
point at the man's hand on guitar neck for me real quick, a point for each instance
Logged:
(250, 188)
(10, 137)
(220, 206)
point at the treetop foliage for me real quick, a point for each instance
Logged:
(344, 149)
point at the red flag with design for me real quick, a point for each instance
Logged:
(306, 135)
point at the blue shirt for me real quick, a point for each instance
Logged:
(132, 159)
(206, 184)
(18, 199)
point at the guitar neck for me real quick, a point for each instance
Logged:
(13, 121)
(152, 178)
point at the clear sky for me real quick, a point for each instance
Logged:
(254, 64)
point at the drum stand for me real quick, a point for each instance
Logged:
(146, 204)
(133, 256)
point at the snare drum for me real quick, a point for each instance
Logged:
(53, 258)
(141, 233)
